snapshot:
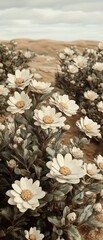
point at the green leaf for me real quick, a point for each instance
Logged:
(73, 233)
(65, 188)
(78, 199)
(50, 151)
(6, 213)
(93, 223)
(95, 187)
(58, 195)
(48, 197)
(66, 211)
(23, 133)
(85, 214)
(54, 220)
(20, 119)
(38, 171)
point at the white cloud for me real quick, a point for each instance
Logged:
(53, 19)
(51, 16)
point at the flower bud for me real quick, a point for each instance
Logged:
(61, 55)
(2, 127)
(71, 217)
(12, 163)
(18, 139)
(98, 207)
(1, 65)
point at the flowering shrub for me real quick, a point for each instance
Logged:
(49, 190)
(81, 78)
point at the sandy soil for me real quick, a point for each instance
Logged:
(46, 63)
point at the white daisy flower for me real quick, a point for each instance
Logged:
(98, 66)
(65, 169)
(21, 79)
(80, 61)
(90, 128)
(19, 103)
(48, 118)
(3, 90)
(40, 87)
(33, 234)
(100, 106)
(68, 51)
(99, 161)
(76, 153)
(25, 194)
(91, 95)
(100, 45)
(72, 69)
(92, 171)
(64, 104)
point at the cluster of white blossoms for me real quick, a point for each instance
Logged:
(64, 104)
(68, 166)
(25, 194)
(76, 68)
(90, 128)
(33, 234)
(65, 169)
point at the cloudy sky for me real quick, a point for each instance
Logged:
(51, 19)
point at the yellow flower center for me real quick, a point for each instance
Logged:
(90, 172)
(101, 165)
(88, 127)
(65, 171)
(19, 81)
(48, 119)
(26, 195)
(32, 237)
(63, 105)
(20, 104)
